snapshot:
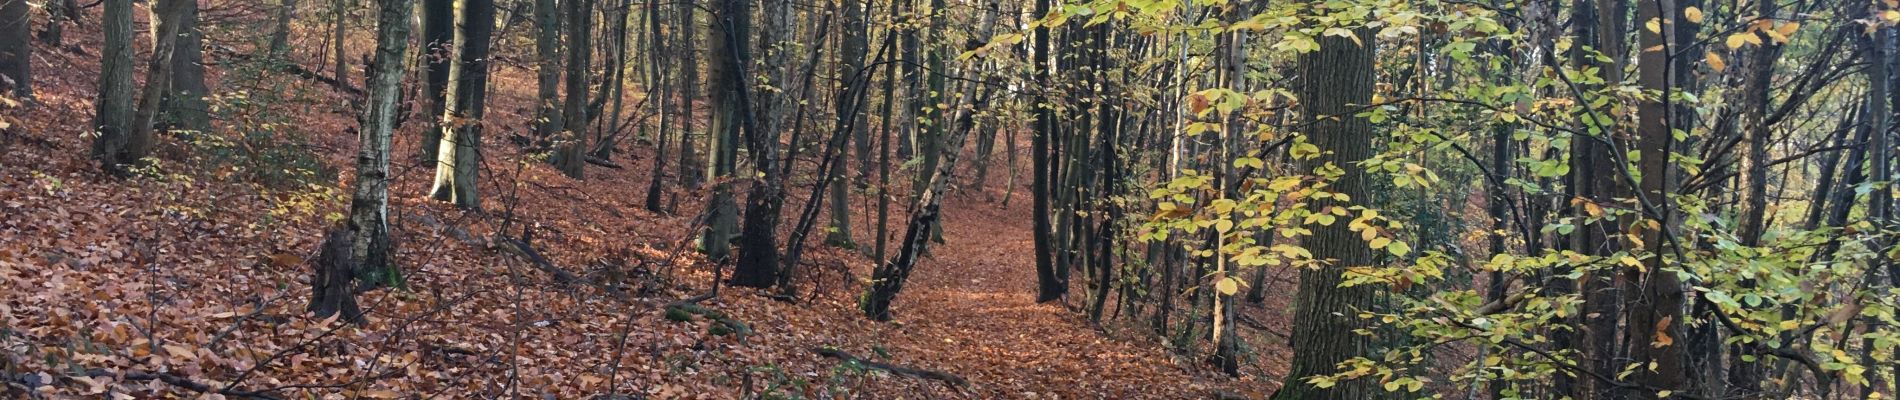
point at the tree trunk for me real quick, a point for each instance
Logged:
(570, 148)
(438, 52)
(888, 279)
(1049, 286)
(369, 206)
(615, 85)
(852, 49)
(459, 150)
(339, 11)
(689, 92)
(280, 36)
(113, 110)
(58, 15)
(185, 106)
(731, 30)
(1655, 319)
(547, 50)
(758, 243)
(165, 18)
(16, 50)
(1336, 79)
(663, 77)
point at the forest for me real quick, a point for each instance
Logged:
(971, 199)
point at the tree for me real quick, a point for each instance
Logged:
(461, 121)
(184, 105)
(570, 151)
(115, 147)
(16, 51)
(138, 141)
(438, 54)
(725, 48)
(689, 92)
(1049, 285)
(369, 251)
(280, 36)
(662, 83)
(547, 51)
(1334, 81)
(852, 49)
(1655, 311)
(59, 13)
(758, 243)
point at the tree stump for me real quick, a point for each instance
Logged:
(331, 288)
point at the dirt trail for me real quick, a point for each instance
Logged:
(972, 309)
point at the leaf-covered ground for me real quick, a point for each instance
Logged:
(191, 280)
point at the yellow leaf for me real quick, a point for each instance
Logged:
(1227, 286)
(1694, 15)
(1890, 15)
(1715, 62)
(1380, 243)
(1654, 25)
(1662, 333)
(1735, 41)
(1788, 29)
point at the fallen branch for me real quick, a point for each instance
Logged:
(32, 382)
(561, 276)
(293, 69)
(948, 378)
(604, 163)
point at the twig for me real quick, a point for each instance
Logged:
(948, 378)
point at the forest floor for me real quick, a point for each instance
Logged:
(191, 279)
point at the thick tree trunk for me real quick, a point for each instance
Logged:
(369, 206)
(438, 54)
(113, 108)
(165, 18)
(731, 30)
(185, 106)
(459, 150)
(758, 243)
(1335, 80)
(280, 36)
(570, 150)
(1655, 319)
(16, 49)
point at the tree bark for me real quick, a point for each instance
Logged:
(280, 36)
(184, 106)
(547, 50)
(570, 150)
(1049, 286)
(113, 109)
(459, 149)
(369, 205)
(1335, 80)
(731, 30)
(438, 54)
(663, 77)
(1655, 318)
(16, 49)
(689, 92)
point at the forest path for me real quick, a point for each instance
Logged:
(971, 308)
